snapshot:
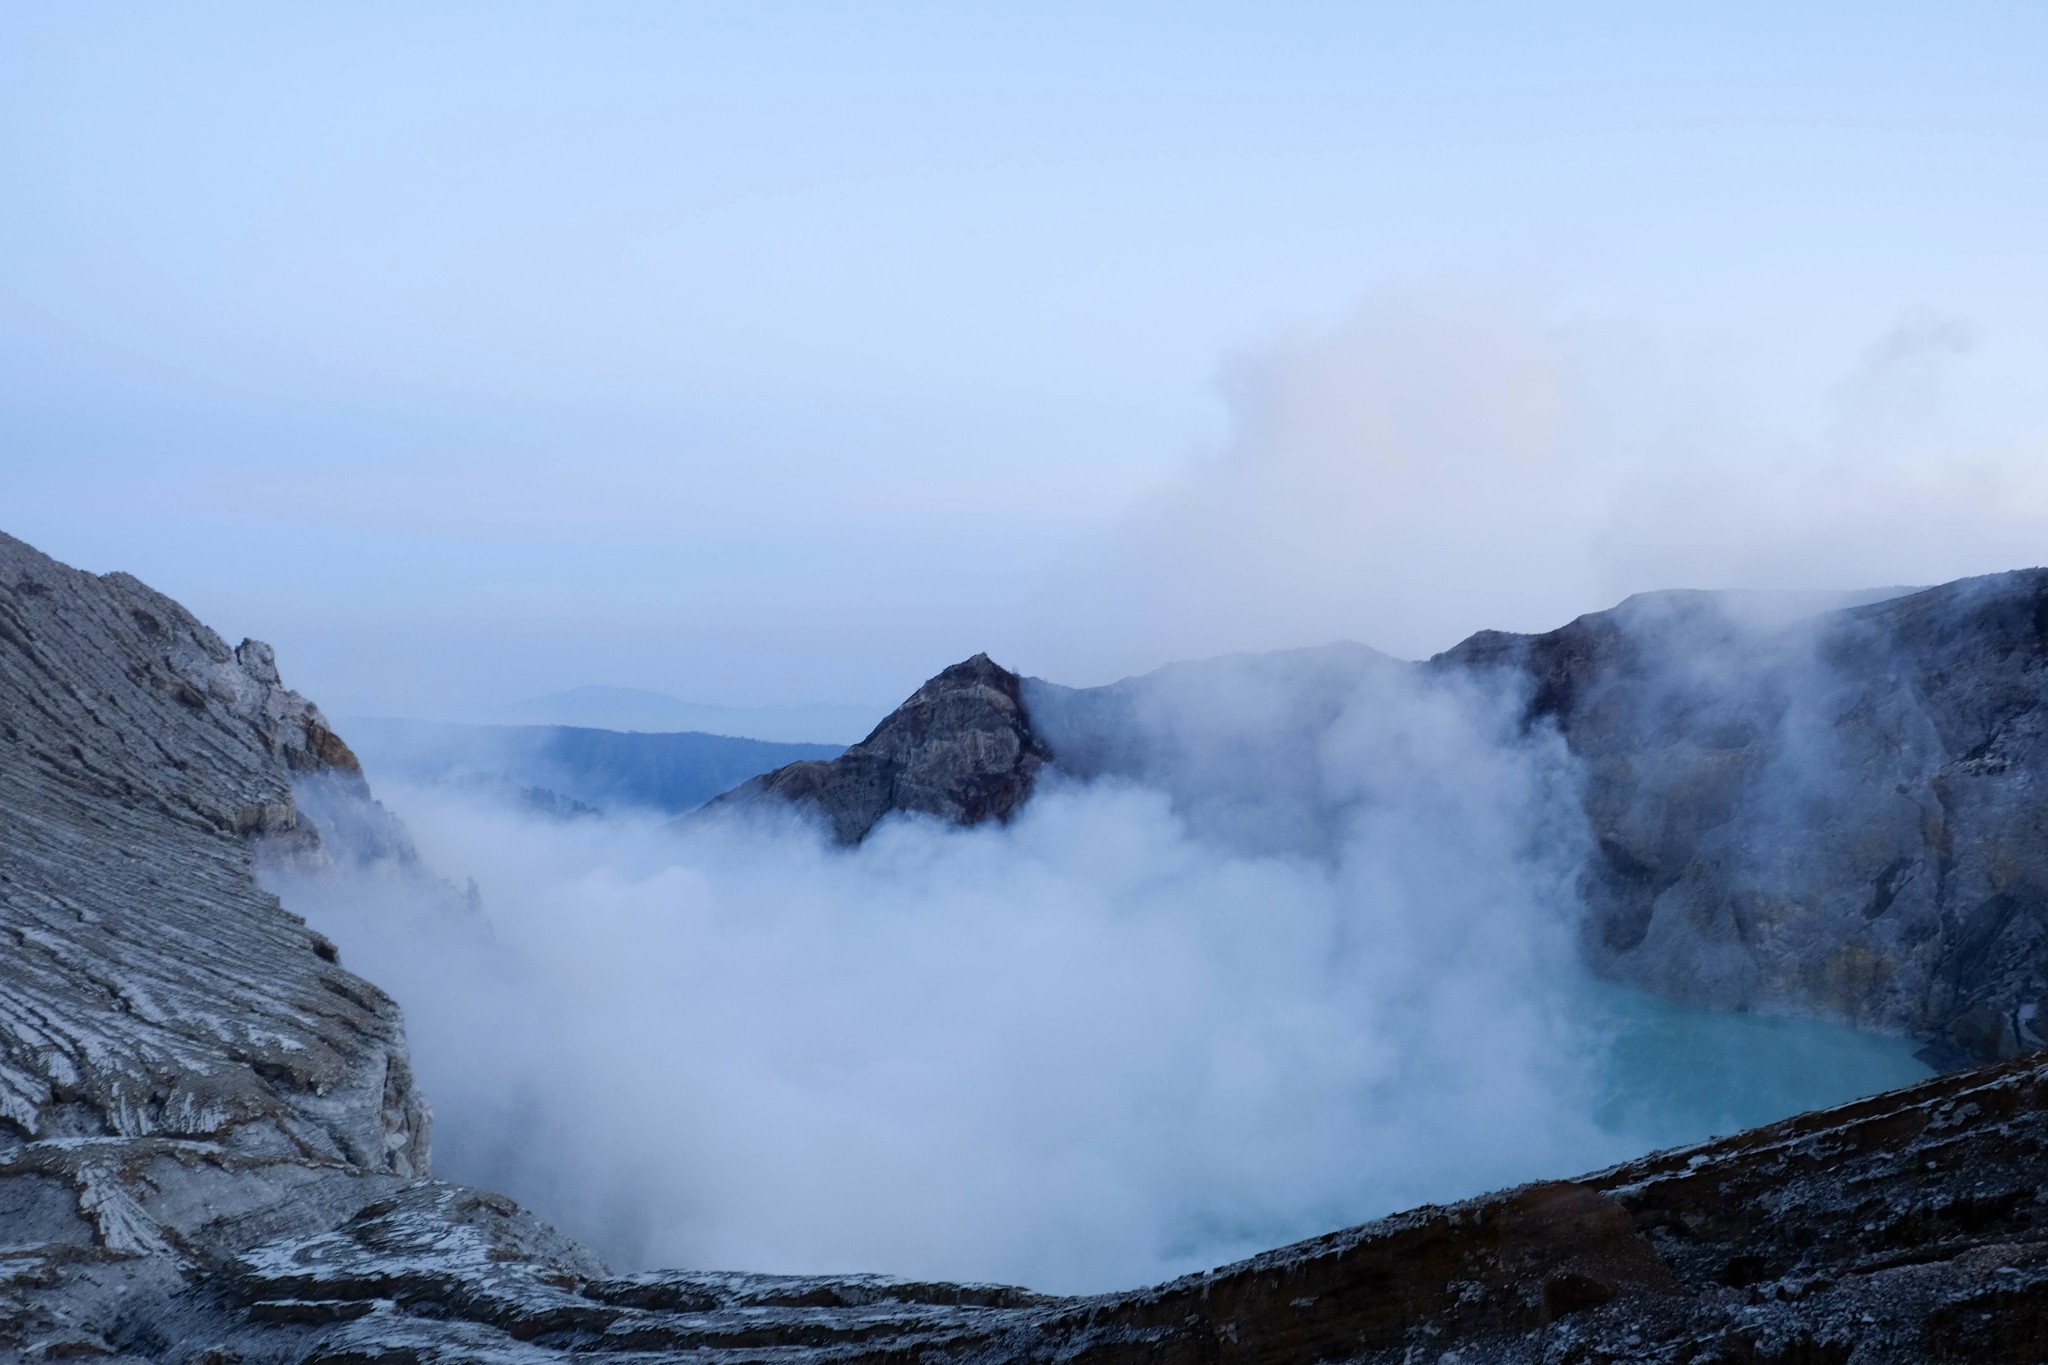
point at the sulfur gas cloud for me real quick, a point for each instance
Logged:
(1129, 1034)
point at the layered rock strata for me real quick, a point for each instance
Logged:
(148, 987)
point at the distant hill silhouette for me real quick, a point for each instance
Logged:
(639, 710)
(566, 770)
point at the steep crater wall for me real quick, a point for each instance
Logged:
(1832, 812)
(1845, 814)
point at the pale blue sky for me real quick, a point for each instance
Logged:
(786, 353)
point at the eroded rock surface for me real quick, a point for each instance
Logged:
(1903, 1230)
(1845, 814)
(961, 748)
(148, 987)
(1840, 813)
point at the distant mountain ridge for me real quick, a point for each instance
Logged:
(559, 769)
(640, 710)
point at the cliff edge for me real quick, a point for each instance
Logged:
(149, 987)
(1844, 814)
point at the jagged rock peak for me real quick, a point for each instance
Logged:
(961, 748)
(148, 986)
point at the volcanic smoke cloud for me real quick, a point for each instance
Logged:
(1114, 1040)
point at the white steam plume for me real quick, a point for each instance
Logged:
(1085, 1050)
(1442, 461)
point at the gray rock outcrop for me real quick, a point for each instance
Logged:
(148, 987)
(961, 748)
(1908, 1229)
(1845, 814)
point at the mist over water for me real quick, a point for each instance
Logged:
(1099, 1046)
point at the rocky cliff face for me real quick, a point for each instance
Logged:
(1838, 812)
(148, 988)
(961, 748)
(1844, 814)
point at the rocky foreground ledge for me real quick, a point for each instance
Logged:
(211, 1150)
(1912, 1228)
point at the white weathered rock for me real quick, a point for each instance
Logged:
(148, 986)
